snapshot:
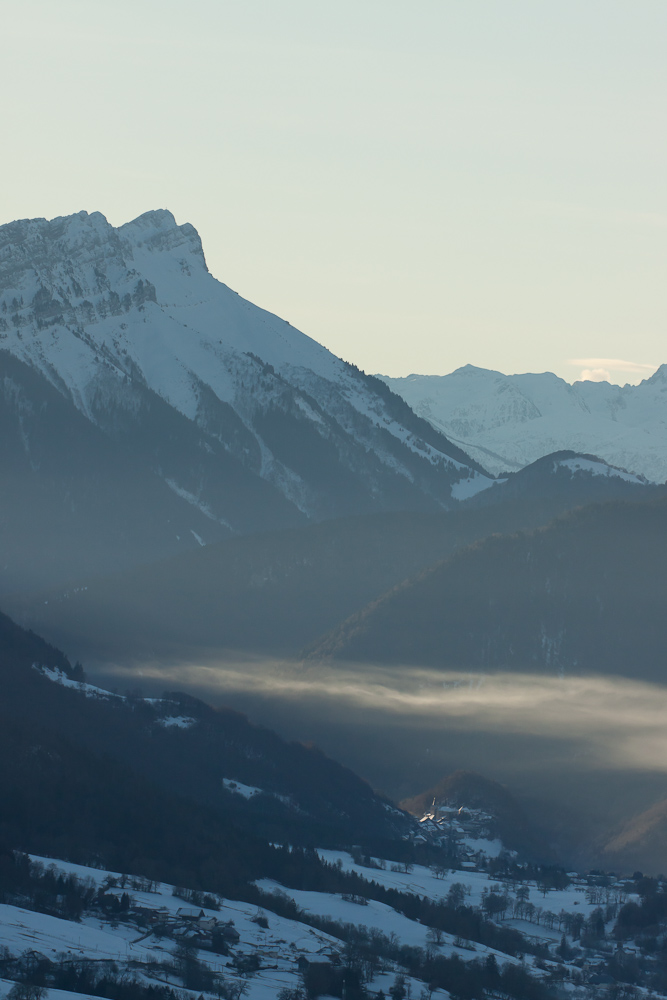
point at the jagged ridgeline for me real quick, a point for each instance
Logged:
(146, 408)
(507, 421)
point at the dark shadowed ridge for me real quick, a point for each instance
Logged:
(269, 593)
(187, 749)
(276, 592)
(585, 594)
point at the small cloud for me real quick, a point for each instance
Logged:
(601, 369)
(595, 375)
(613, 364)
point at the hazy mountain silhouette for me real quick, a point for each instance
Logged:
(583, 595)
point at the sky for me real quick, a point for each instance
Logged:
(417, 187)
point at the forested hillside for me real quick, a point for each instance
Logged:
(585, 594)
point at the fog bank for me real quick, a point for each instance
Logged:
(558, 739)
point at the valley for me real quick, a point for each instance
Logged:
(333, 501)
(298, 696)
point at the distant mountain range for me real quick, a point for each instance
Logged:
(508, 421)
(145, 408)
(185, 474)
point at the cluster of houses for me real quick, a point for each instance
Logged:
(188, 925)
(466, 833)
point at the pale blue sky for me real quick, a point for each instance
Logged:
(416, 186)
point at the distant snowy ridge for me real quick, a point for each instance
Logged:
(122, 321)
(508, 421)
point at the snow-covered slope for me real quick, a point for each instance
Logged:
(146, 939)
(508, 421)
(123, 321)
(160, 940)
(575, 479)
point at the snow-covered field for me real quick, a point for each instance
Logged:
(420, 881)
(283, 942)
(280, 945)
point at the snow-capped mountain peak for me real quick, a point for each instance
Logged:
(659, 378)
(236, 412)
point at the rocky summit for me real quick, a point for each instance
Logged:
(143, 400)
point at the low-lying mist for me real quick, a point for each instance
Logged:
(592, 749)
